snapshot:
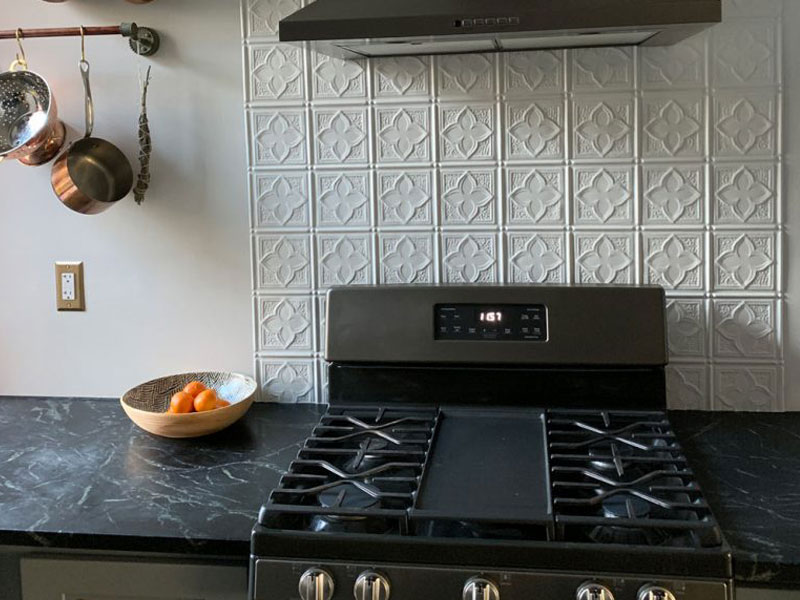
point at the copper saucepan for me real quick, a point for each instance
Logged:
(92, 174)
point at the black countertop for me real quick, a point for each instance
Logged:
(748, 465)
(76, 473)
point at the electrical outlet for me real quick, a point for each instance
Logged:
(69, 286)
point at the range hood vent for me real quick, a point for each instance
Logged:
(363, 28)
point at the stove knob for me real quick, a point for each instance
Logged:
(655, 592)
(316, 584)
(372, 586)
(479, 588)
(593, 591)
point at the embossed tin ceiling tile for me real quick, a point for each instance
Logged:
(401, 76)
(406, 258)
(673, 194)
(275, 73)
(537, 257)
(688, 387)
(285, 324)
(280, 200)
(526, 72)
(289, 381)
(535, 196)
(342, 199)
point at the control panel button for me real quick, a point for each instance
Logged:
(316, 584)
(593, 591)
(655, 592)
(371, 585)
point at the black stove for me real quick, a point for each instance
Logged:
(492, 442)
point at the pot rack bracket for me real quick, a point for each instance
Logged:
(144, 41)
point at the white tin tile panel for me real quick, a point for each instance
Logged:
(607, 165)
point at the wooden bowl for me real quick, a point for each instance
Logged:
(146, 404)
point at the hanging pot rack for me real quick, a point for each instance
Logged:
(142, 40)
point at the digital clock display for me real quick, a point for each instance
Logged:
(491, 316)
(506, 322)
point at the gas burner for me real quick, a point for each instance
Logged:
(349, 497)
(625, 507)
(622, 458)
(368, 455)
(611, 458)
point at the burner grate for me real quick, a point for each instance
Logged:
(358, 472)
(621, 477)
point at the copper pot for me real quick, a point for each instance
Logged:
(93, 173)
(30, 130)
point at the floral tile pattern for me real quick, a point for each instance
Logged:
(648, 165)
(535, 196)
(603, 195)
(674, 260)
(673, 194)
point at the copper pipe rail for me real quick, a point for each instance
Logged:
(11, 34)
(143, 40)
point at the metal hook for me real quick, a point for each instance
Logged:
(21, 60)
(83, 44)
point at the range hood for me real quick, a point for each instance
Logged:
(362, 28)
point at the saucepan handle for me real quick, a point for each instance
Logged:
(89, 102)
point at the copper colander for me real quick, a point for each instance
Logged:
(29, 127)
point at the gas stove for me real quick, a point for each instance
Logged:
(491, 442)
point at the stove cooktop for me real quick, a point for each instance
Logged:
(533, 485)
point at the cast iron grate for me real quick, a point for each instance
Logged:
(622, 478)
(359, 472)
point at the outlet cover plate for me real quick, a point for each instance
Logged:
(77, 297)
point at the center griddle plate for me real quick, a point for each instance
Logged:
(487, 466)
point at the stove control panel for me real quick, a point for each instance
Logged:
(482, 322)
(275, 579)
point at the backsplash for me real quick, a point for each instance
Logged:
(603, 165)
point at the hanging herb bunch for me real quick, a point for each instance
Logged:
(145, 145)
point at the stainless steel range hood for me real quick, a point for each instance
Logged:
(361, 28)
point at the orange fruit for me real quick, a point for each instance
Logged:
(181, 402)
(206, 400)
(222, 403)
(193, 388)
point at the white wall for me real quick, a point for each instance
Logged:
(168, 282)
